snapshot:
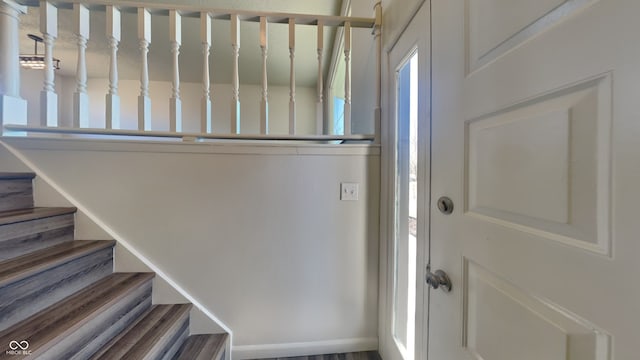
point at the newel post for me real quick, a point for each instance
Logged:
(13, 109)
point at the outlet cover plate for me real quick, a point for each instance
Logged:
(349, 191)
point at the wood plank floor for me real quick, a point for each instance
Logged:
(369, 355)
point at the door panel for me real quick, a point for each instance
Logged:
(494, 27)
(535, 120)
(545, 331)
(542, 166)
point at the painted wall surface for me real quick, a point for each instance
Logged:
(85, 229)
(363, 71)
(396, 14)
(256, 233)
(31, 83)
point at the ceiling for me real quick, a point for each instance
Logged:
(160, 64)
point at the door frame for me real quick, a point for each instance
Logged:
(388, 183)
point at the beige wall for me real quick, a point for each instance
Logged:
(255, 233)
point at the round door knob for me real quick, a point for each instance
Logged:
(438, 280)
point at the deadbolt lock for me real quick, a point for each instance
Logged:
(445, 205)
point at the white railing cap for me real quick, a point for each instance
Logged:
(216, 13)
(14, 5)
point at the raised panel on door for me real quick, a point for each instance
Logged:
(535, 120)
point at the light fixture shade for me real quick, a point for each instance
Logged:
(36, 61)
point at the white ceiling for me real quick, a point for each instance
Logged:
(190, 52)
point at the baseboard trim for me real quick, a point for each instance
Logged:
(262, 351)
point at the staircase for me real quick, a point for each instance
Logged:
(60, 299)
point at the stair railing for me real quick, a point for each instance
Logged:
(13, 108)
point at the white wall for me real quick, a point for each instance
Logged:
(30, 87)
(255, 233)
(363, 71)
(396, 14)
(85, 229)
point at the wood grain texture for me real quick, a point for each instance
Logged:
(62, 297)
(106, 325)
(368, 355)
(175, 343)
(16, 175)
(30, 283)
(28, 236)
(19, 215)
(16, 194)
(143, 305)
(151, 337)
(37, 262)
(58, 323)
(203, 347)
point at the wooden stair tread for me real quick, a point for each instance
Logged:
(16, 175)
(143, 335)
(14, 216)
(49, 326)
(201, 347)
(29, 264)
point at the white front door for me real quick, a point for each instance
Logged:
(536, 139)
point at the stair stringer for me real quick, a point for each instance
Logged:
(91, 223)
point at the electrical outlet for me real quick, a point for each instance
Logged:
(348, 191)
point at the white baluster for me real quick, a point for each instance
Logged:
(292, 76)
(235, 77)
(13, 109)
(144, 39)
(175, 104)
(205, 36)
(347, 78)
(48, 96)
(378, 39)
(112, 98)
(320, 85)
(80, 97)
(264, 103)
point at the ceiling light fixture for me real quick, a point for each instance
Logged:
(36, 61)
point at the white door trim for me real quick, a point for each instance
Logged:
(388, 184)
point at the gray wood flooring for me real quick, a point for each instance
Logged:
(369, 355)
